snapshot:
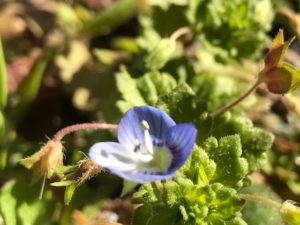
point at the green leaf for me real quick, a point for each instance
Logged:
(19, 204)
(183, 106)
(144, 90)
(161, 54)
(235, 29)
(110, 18)
(128, 186)
(199, 167)
(191, 203)
(153, 84)
(8, 204)
(69, 192)
(231, 167)
(3, 79)
(166, 218)
(226, 204)
(127, 86)
(140, 215)
(212, 89)
(255, 142)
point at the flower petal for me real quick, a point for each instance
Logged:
(140, 177)
(180, 141)
(112, 156)
(130, 130)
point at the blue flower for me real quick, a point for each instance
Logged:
(151, 146)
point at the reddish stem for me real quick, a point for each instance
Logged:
(83, 126)
(236, 101)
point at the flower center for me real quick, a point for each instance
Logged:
(150, 160)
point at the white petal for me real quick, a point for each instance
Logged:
(113, 156)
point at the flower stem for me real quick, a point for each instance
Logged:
(256, 198)
(180, 32)
(82, 126)
(236, 101)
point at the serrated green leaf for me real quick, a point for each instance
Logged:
(243, 23)
(161, 54)
(129, 91)
(144, 90)
(192, 203)
(3, 78)
(226, 203)
(183, 106)
(199, 167)
(255, 141)
(147, 89)
(231, 167)
(163, 82)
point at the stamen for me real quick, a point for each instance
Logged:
(147, 137)
(145, 125)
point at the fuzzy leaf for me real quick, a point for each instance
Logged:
(255, 142)
(191, 203)
(183, 106)
(231, 167)
(236, 28)
(199, 168)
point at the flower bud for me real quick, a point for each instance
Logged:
(47, 159)
(75, 175)
(290, 213)
(279, 76)
(282, 78)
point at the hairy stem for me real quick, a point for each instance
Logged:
(256, 198)
(83, 126)
(236, 101)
